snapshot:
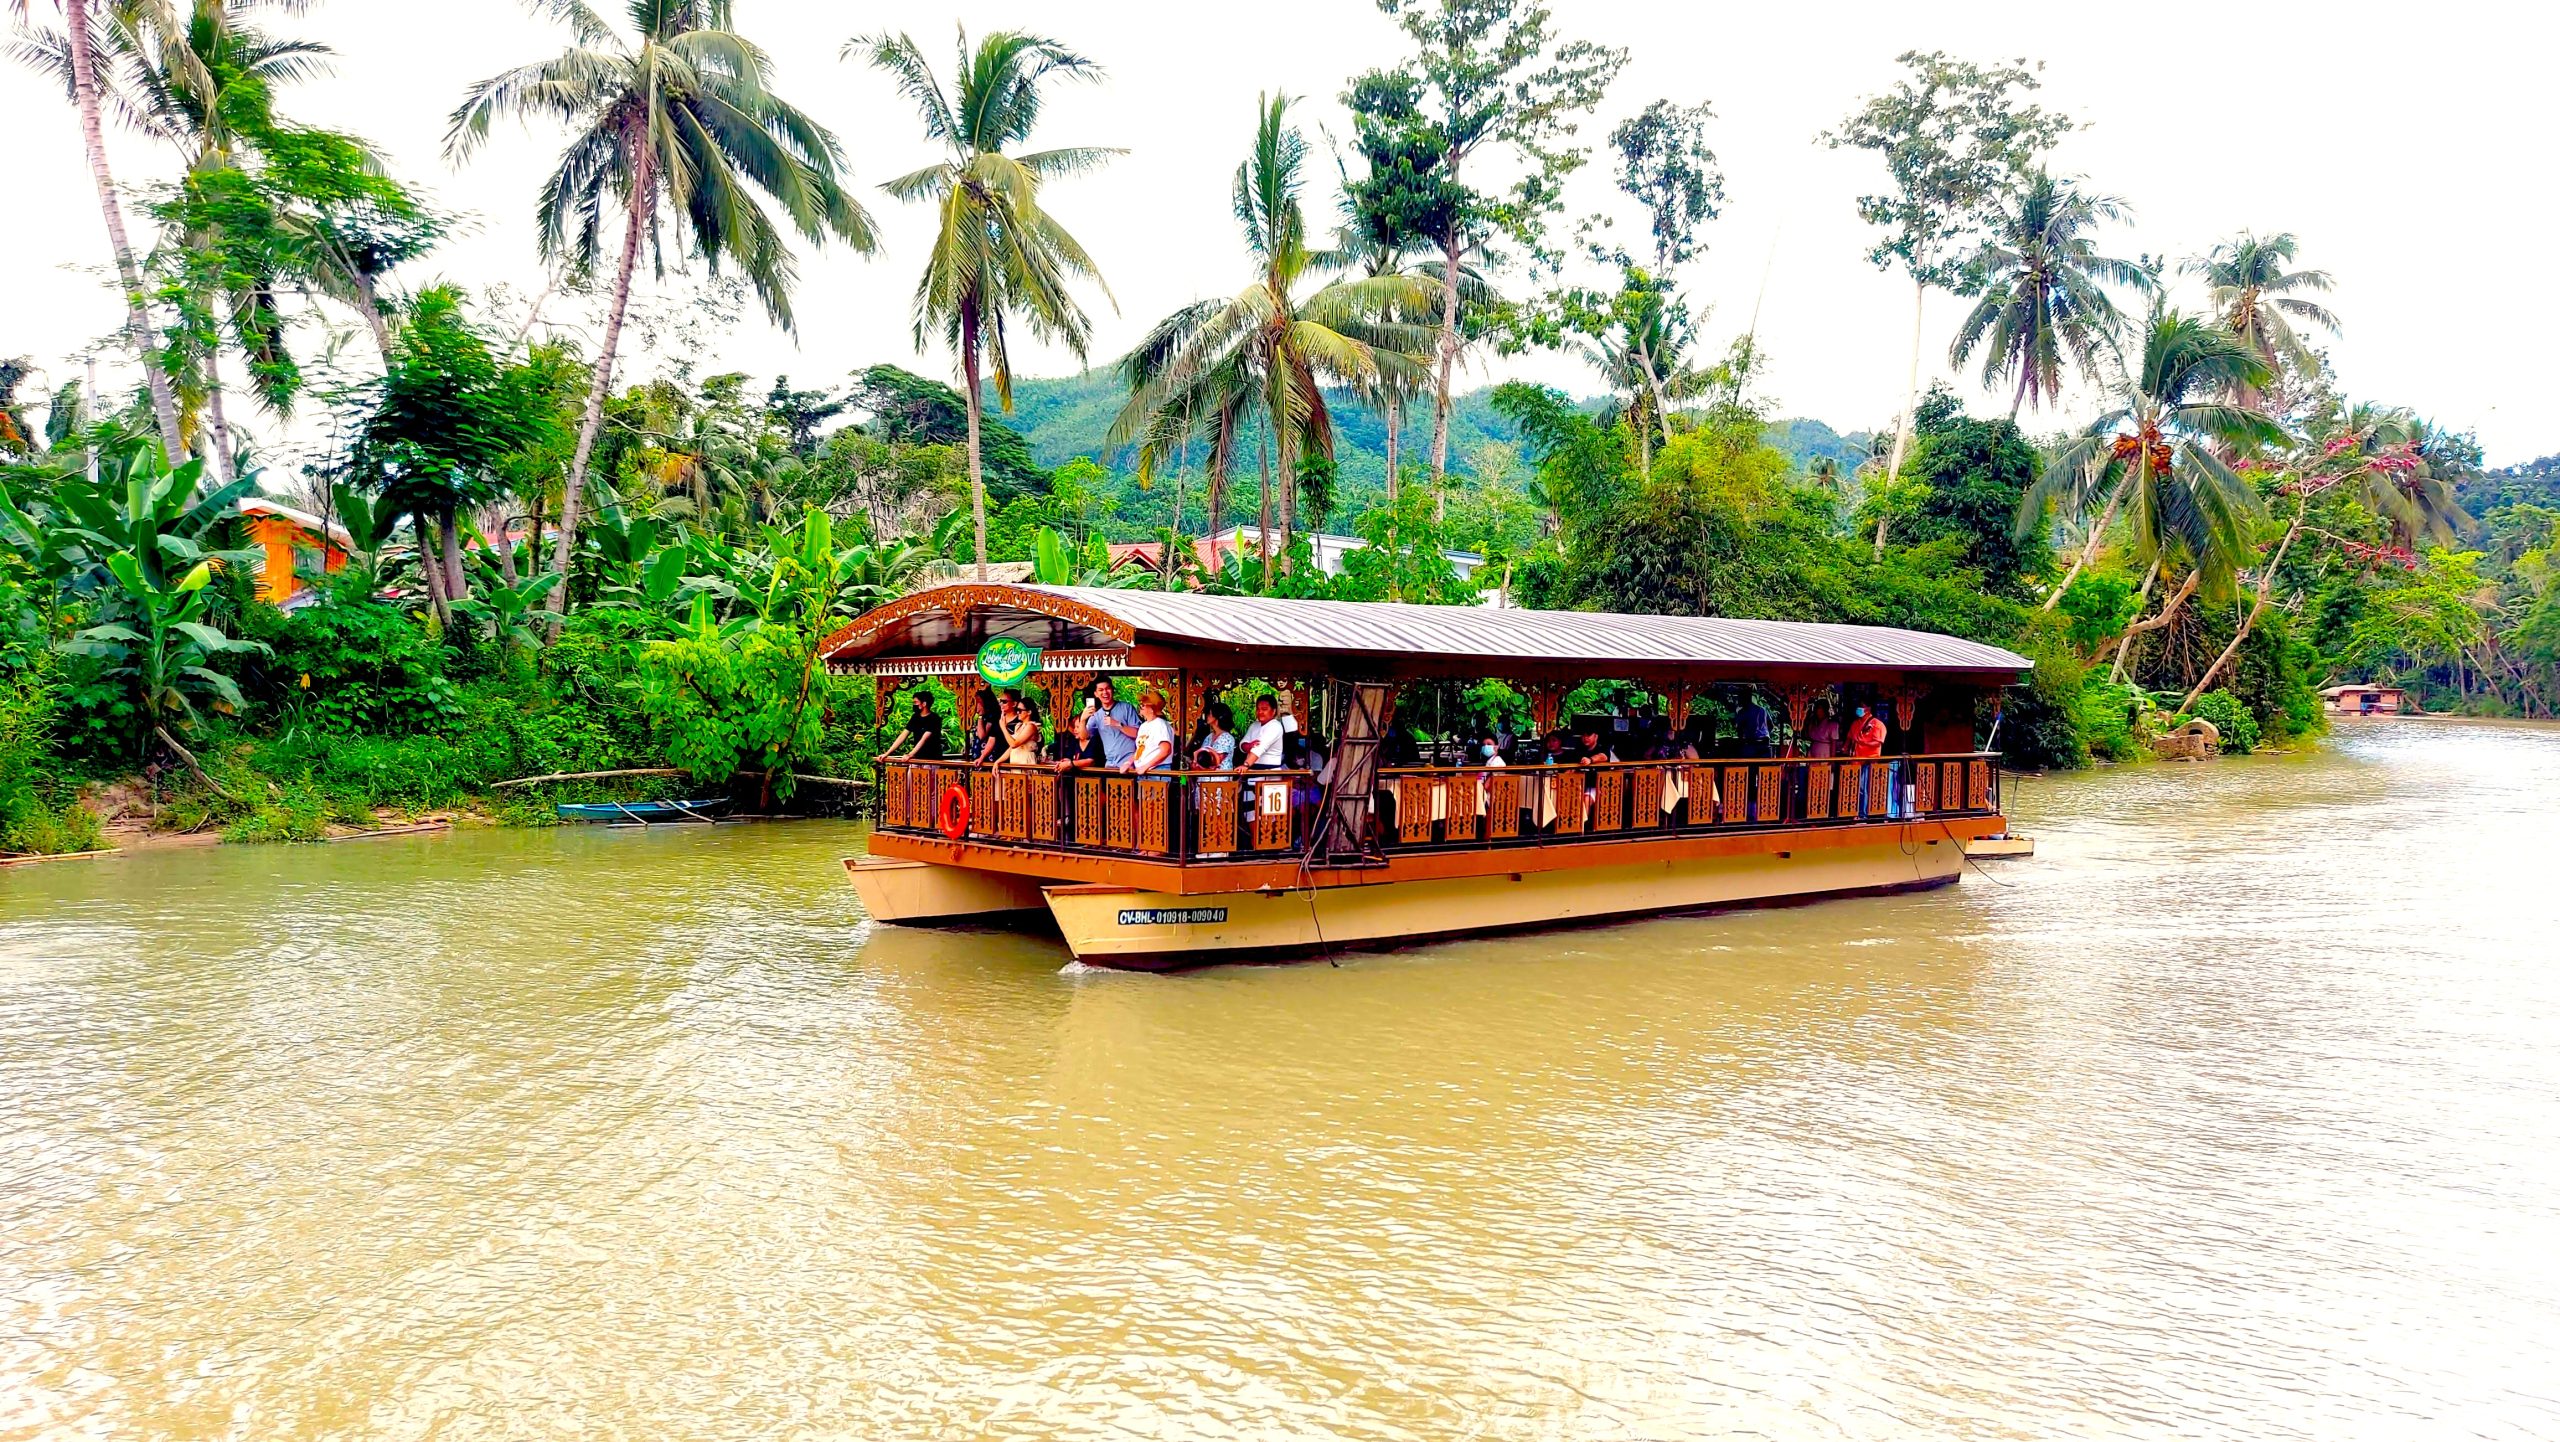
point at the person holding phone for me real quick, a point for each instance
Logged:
(1115, 721)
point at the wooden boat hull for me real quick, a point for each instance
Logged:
(1137, 930)
(919, 893)
(1138, 927)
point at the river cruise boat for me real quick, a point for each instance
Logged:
(1703, 791)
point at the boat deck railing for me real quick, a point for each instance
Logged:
(1218, 816)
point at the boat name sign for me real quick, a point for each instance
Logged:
(1004, 661)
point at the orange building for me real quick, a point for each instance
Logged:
(286, 534)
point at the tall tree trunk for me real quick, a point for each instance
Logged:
(84, 88)
(218, 430)
(373, 317)
(644, 199)
(1910, 403)
(2257, 607)
(977, 464)
(1217, 502)
(506, 549)
(1262, 540)
(457, 584)
(1288, 495)
(431, 572)
(1394, 482)
(2139, 629)
(2089, 549)
(533, 534)
(1448, 352)
(2141, 598)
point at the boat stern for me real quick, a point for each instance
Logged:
(917, 893)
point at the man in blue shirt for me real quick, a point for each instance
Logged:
(1116, 722)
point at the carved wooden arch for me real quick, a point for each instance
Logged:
(957, 601)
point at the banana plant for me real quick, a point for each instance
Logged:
(158, 514)
(166, 651)
(509, 611)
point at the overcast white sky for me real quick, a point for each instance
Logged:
(2395, 142)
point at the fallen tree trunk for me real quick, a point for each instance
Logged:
(588, 776)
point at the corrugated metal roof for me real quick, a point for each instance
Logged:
(1393, 628)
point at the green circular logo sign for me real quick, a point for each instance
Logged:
(1005, 661)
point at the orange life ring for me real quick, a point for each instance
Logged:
(955, 811)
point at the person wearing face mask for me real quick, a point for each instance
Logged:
(1866, 739)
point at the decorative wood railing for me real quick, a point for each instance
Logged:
(1210, 816)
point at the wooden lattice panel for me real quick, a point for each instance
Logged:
(1769, 784)
(1219, 813)
(1847, 810)
(1042, 794)
(1977, 790)
(1570, 803)
(1646, 812)
(982, 802)
(1271, 824)
(1702, 795)
(1013, 806)
(1924, 787)
(1879, 788)
(1413, 809)
(1502, 807)
(1817, 791)
(1155, 817)
(1465, 793)
(1088, 811)
(1119, 813)
(1734, 785)
(893, 796)
(1610, 805)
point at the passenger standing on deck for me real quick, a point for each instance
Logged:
(1866, 738)
(922, 738)
(1154, 747)
(1824, 733)
(1753, 720)
(1022, 734)
(1116, 722)
(1216, 750)
(986, 741)
(1265, 745)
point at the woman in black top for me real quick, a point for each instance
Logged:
(986, 743)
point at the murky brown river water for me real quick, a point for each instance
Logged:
(2235, 1113)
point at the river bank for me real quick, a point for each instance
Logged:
(2230, 1113)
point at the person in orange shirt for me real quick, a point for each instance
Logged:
(1866, 734)
(1866, 738)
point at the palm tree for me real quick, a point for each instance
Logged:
(2399, 466)
(2157, 456)
(2258, 298)
(2042, 291)
(997, 255)
(683, 121)
(1644, 355)
(207, 88)
(79, 66)
(1269, 350)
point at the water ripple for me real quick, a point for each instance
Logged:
(2232, 1113)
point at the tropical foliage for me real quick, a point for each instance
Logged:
(509, 558)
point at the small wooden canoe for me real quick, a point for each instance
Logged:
(1998, 846)
(642, 812)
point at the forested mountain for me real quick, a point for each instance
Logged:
(1064, 417)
